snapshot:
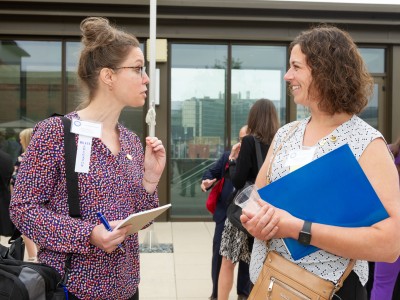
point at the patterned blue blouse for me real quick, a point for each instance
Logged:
(113, 186)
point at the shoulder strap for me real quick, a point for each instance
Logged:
(72, 176)
(258, 153)
(72, 187)
(288, 135)
(346, 273)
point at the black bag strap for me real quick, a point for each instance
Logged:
(72, 185)
(16, 234)
(72, 176)
(258, 153)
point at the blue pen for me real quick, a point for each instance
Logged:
(103, 220)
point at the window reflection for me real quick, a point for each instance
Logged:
(374, 58)
(247, 87)
(371, 112)
(197, 122)
(198, 108)
(257, 72)
(72, 56)
(30, 85)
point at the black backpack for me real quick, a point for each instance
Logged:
(25, 280)
(34, 281)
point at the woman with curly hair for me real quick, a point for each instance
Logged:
(328, 76)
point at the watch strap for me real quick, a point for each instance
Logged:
(306, 227)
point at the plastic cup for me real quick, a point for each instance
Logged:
(247, 199)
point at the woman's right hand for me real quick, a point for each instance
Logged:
(108, 240)
(207, 183)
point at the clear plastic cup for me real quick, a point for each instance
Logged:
(247, 199)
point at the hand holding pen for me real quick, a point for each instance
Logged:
(104, 221)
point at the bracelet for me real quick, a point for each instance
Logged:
(151, 182)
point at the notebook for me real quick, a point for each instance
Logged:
(140, 219)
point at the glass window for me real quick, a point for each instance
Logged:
(197, 121)
(72, 57)
(370, 113)
(257, 72)
(30, 85)
(374, 58)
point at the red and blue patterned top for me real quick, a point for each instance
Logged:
(113, 186)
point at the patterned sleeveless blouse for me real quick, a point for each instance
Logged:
(355, 132)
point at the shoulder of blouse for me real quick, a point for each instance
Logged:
(49, 124)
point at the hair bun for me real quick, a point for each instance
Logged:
(96, 31)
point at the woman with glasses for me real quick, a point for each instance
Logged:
(115, 176)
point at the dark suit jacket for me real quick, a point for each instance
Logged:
(217, 170)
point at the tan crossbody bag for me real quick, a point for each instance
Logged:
(282, 279)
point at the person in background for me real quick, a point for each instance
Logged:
(24, 139)
(385, 274)
(328, 75)
(262, 124)
(121, 177)
(6, 170)
(12, 146)
(214, 173)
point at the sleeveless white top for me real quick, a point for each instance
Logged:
(358, 134)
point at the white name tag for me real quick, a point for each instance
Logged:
(83, 154)
(92, 129)
(299, 158)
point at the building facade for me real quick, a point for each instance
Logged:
(215, 59)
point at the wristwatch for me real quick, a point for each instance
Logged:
(305, 234)
(232, 162)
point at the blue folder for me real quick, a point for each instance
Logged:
(332, 190)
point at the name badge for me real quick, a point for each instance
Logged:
(83, 154)
(299, 158)
(86, 128)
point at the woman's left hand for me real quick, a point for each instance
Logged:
(154, 159)
(235, 151)
(263, 224)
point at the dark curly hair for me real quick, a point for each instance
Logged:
(339, 73)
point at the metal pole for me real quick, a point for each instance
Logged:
(151, 114)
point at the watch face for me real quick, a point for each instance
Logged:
(304, 238)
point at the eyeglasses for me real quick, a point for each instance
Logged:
(139, 70)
